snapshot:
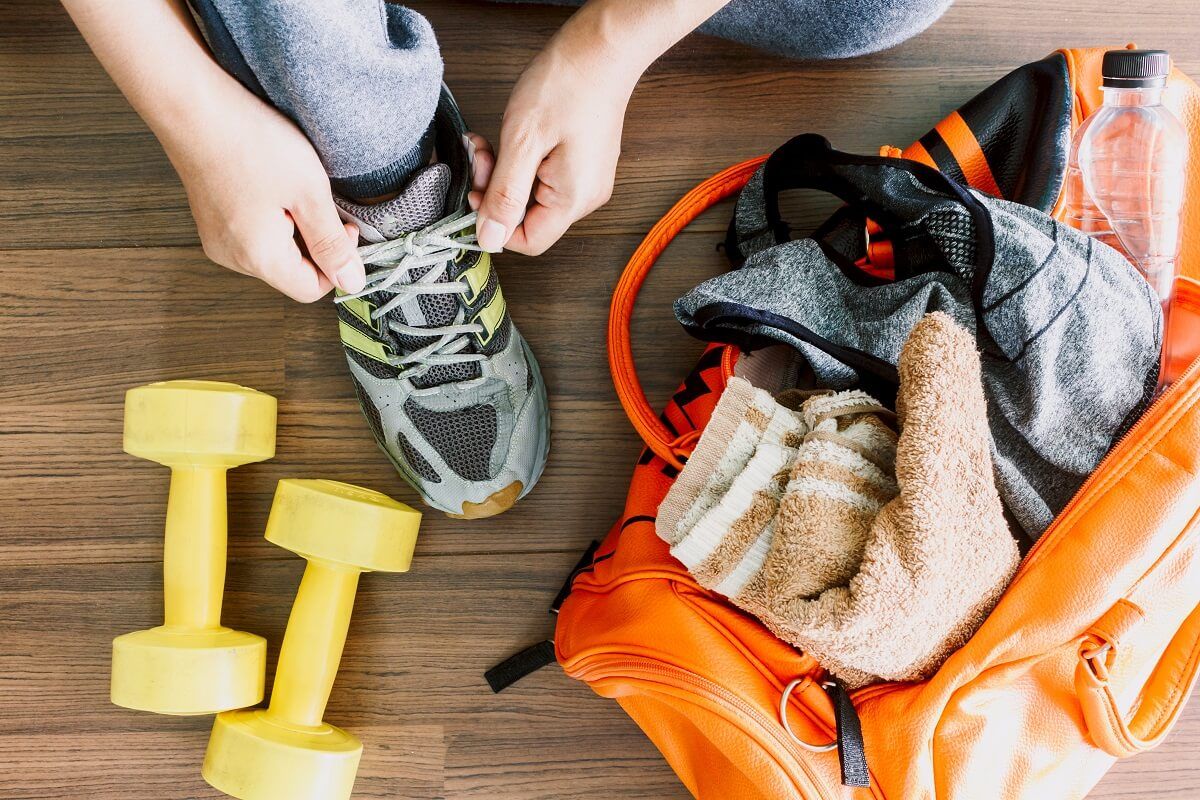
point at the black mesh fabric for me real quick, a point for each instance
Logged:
(417, 462)
(373, 367)
(464, 438)
(438, 310)
(500, 338)
(354, 322)
(447, 373)
(954, 233)
(369, 410)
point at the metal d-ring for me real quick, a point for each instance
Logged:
(783, 717)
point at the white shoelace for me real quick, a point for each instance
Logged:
(437, 246)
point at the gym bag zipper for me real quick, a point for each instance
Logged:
(596, 669)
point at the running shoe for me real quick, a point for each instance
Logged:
(449, 387)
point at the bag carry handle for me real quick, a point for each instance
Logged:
(666, 445)
(1162, 697)
(807, 161)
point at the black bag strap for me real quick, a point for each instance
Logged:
(808, 161)
(518, 665)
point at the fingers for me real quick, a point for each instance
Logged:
(302, 281)
(483, 161)
(266, 249)
(279, 263)
(566, 191)
(331, 245)
(507, 195)
(542, 227)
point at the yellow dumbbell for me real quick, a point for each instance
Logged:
(287, 751)
(191, 664)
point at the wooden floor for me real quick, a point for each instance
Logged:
(103, 287)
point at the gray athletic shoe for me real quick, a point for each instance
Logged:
(449, 387)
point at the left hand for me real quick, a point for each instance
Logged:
(559, 144)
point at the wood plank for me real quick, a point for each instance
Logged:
(403, 763)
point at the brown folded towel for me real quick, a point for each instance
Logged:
(802, 521)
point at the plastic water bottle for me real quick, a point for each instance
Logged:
(1125, 178)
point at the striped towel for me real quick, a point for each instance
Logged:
(877, 553)
(760, 465)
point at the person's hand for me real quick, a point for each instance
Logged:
(262, 201)
(558, 150)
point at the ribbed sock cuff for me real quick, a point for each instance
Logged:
(389, 179)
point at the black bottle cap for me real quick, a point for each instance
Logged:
(1136, 69)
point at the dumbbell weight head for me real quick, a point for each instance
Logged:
(343, 524)
(187, 673)
(199, 423)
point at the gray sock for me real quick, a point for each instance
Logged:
(361, 79)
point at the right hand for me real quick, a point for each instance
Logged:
(262, 201)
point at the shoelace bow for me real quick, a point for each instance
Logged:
(437, 245)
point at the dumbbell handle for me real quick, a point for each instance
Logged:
(312, 645)
(194, 553)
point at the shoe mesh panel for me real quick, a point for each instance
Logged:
(373, 367)
(447, 373)
(423, 201)
(446, 307)
(499, 338)
(369, 410)
(464, 438)
(354, 322)
(416, 461)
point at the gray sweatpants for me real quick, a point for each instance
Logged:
(361, 77)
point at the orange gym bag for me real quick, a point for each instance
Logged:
(1088, 657)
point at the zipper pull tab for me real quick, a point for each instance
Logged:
(851, 754)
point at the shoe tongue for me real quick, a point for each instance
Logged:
(422, 203)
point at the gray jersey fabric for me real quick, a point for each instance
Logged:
(1068, 329)
(815, 29)
(362, 77)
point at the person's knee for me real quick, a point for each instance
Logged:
(825, 29)
(868, 26)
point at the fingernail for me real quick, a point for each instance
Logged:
(491, 235)
(351, 279)
(473, 200)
